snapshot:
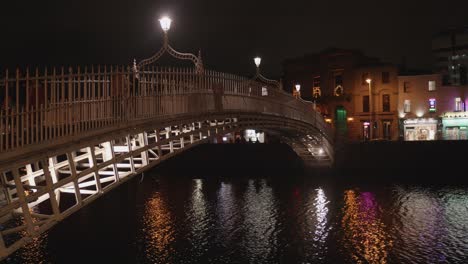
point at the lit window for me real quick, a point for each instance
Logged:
(316, 92)
(264, 91)
(458, 104)
(432, 85)
(432, 105)
(407, 106)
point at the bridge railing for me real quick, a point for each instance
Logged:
(47, 105)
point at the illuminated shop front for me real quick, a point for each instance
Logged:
(455, 125)
(251, 135)
(420, 129)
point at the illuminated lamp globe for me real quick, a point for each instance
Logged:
(298, 87)
(165, 23)
(257, 61)
(368, 80)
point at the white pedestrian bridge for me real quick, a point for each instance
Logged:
(69, 135)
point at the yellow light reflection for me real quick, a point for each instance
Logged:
(364, 233)
(158, 228)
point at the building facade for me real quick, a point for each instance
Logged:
(450, 50)
(335, 80)
(430, 110)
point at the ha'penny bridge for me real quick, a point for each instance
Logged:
(69, 135)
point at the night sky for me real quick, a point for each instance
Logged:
(229, 33)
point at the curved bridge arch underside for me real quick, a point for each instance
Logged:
(45, 185)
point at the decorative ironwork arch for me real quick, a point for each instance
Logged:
(258, 76)
(197, 60)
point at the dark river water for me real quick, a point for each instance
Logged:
(260, 219)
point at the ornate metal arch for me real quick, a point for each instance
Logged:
(258, 76)
(197, 60)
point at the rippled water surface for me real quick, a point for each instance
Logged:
(169, 219)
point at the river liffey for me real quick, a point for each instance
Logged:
(261, 219)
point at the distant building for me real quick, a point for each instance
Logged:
(450, 50)
(336, 80)
(429, 110)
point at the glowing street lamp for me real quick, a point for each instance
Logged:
(297, 92)
(260, 77)
(165, 23)
(371, 126)
(257, 61)
(298, 87)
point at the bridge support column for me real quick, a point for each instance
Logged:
(130, 149)
(52, 195)
(110, 154)
(93, 165)
(143, 140)
(24, 205)
(74, 176)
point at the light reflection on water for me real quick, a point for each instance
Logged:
(365, 237)
(260, 219)
(157, 230)
(321, 228)
(265, 220)
(431, 225)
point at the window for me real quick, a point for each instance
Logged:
(387, 129)
(365, 103)
(386, 103)
(407, 106)
(338, 80)
(385, 77)
(458, 104)
(463, 75)
(432, 105)
(364, 77)
(316, 82)
(264, 91)
(316, 92)
(432, 85)
(406, 87)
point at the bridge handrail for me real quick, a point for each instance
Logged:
(54, 104)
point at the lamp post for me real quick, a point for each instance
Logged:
(263, 79)
(298, 90)
(257, 61)
(371, 128)
(165, 23)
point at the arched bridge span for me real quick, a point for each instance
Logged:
(67, 137)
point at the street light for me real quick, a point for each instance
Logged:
(371, 128)
(165, 23)
(257, 61)
(258, 75)
(298, 90)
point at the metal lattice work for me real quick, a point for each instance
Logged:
(197, 61)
